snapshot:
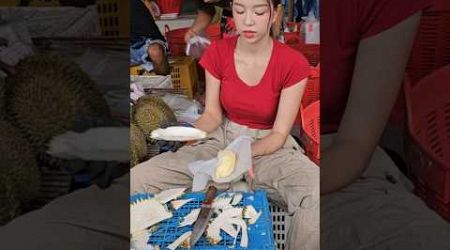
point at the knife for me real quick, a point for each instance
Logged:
(204, 216)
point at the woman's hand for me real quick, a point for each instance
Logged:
(189, 35)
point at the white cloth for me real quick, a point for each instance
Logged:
(95, 144)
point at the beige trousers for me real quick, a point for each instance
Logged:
(289, 177)
(376, 212)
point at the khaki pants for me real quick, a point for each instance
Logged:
(375, 213)
(288, 176)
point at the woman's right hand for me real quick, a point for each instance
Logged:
(189, 34)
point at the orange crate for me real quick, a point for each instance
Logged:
(183, 71)
(114, 17)
(135, 70)
(43, 3)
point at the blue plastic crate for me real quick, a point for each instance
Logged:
(260, 234)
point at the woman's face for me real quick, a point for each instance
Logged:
(253, 18)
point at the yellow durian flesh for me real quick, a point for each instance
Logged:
(227, 162)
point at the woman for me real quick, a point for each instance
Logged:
(254, 85)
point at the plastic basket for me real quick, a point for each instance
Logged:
(312, 91)
(9, 3)
(433, 201)
(292, 37)
(431, 49)
(114, 17)
(312, 88)
(169, 6)
(183, 71)
(428, 153)
(280, 222)
(310, 51)
(310, 137)
(175, 38)
(135, 70)
(259, 234)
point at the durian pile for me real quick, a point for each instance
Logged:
(149, 113)
(138, 145)
(2, 97)
(43, 99)
(19, 174)
(47, 95)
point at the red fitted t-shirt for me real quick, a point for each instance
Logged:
(343, 24)
(253, 106)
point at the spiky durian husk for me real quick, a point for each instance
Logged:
(2, 97)
(19, 173)
(138, 145)
(47, 95)
(150, 113)
(10, 206)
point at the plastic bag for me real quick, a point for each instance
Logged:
(137, 91)
(204, 170)
(311, 29)
(96, 144)
(196, 45)
(14, 46)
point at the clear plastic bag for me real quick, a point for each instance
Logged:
(204, 170)
(196, 45)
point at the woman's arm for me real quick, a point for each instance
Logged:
(287, 112)
(379, 70)
(212, 118)
(205, 14)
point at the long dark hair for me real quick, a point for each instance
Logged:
(275, 4)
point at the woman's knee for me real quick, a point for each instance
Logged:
(155, 52)
(144, 173)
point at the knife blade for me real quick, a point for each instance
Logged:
(204, 216)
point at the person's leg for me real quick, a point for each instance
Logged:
(378, 212)
(157, 55)
(292, 181)
(170, 170)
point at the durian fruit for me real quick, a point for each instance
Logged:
(150, 113)
(2, 97)
(19, 173)
(227, 162)
(138, 145)
(47, 94)
(10, 205)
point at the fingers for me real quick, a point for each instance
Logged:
(189, 34)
